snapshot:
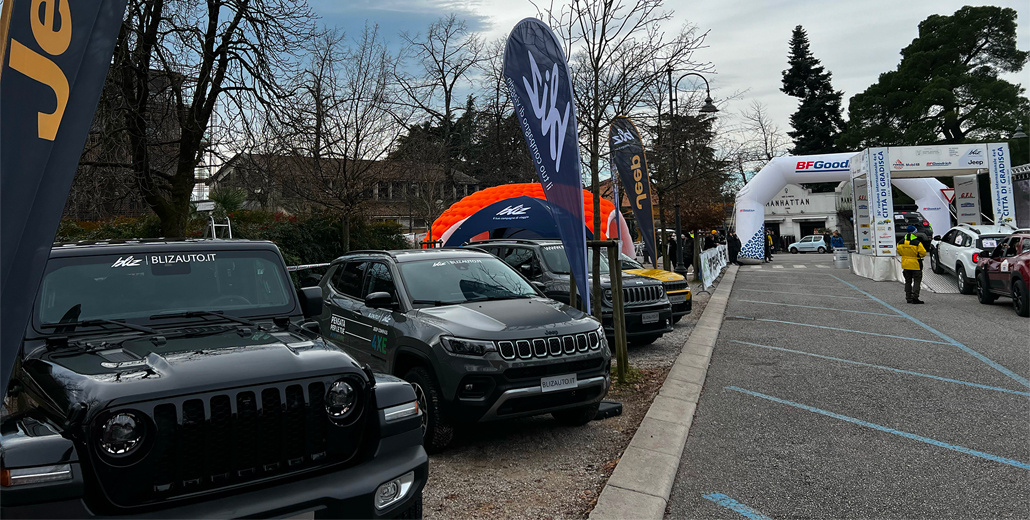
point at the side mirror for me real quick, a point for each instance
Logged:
(937, 238)
(310, 301)
(539, 285)
(379, 300)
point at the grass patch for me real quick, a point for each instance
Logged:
(633, 376)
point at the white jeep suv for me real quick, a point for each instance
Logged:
(958, 250)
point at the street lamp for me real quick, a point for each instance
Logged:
(1019, 133)
(707, 108)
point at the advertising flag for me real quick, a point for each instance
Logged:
(629, 160)
(55, 56)
(537, 77)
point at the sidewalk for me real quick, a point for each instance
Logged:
(642, 481)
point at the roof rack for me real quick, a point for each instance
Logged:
(515, 240)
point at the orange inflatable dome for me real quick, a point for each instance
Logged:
(459, 211)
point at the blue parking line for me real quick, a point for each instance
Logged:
(822, 308)
(729, 503)
(899, 370)
(1018, 378)
(892, 431)
(803, 294)
(845, 330)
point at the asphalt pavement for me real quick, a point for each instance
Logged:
(828, 396)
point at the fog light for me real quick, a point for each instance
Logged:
(394, 491)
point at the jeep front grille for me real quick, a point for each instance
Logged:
(551, 346)
(675, 286)
(642, 295)
(205, 442)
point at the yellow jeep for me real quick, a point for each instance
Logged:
(675, 285)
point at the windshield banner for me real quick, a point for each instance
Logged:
(631, 162)
(538, 82)
(55, 57)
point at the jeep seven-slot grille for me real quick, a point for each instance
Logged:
(551, 346)
(675, 286)
(217, 440)
(642, 295)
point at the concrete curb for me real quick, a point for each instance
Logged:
(642, 481)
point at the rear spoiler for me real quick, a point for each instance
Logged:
(294, 268)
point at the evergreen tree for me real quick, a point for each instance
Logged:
(817, 122)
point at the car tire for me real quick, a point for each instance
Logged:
(793, 250)
(414, 511)
(676, 319)
(644, 340)
(935, 263)
(983, 290)
(1020, 298)
(436, 433)
(821, 250)
(576, 416)
(964, 286)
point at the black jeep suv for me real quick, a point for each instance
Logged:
(184, 380)
(648, 311)
(476, 340)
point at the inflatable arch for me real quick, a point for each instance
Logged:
(750, 202)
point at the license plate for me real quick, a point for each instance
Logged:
(678, 298)
(554, 383)
(649, 317)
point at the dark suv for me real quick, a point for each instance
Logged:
(648, 311)
(185, 380)
(904, 219)
(476, 340)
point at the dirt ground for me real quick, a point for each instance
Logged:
(534, 468)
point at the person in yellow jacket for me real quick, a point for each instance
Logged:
(911, 251)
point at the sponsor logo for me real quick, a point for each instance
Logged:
(127, 262)
(746, 210)
(863, 206)
(967, 214)
(931, 209)
(638, 184)
(966, 196)
(887, 251)
(821, 165)
(867, 247)
(53, 33)
(514, 210)
(938, 163)
(865, 231)
(975, 151)
(898, 164)
(971, 162)
(621, 136)
(337, 324)
(543, 96)
(179, 259)
(967, 205)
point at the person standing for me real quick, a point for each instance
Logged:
(672, 251)
(733, 246)
(836, 241)
(911, 251)
(768, 246)
(827, 240)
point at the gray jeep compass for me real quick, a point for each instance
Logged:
(475, 339)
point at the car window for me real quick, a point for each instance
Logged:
(518, 257)
(966, 240)
(380, 280)
(348, 278)
(1026, 245)
(949, 236)
(1012, 247)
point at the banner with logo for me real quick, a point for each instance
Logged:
(967, 200)
(863, 226)
(629, 159)
(537, 77)
(924, 159)
(55, 58)
(713, 260)
(515, 217)
(1002, 195)
(881, 202)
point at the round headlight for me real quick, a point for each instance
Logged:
(121, 434)
(607, 294)
(340, 399)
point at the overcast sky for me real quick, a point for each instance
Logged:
(747, 42)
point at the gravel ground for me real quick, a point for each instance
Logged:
(533, 468)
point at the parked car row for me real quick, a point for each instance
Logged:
(189, 378)
(990, 260)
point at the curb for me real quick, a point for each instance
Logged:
(642, 481)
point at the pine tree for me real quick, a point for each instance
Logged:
(818, 121)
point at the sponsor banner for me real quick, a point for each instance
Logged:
(55, 59)
(938, 157)
(713, 261)
(537, 77)
(1001, 184)
(967, 199)
(881, 201)
(627, 154)
(864, 237)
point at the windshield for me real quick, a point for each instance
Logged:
(629, 262)
(557, 262)
(459, 280)
(142, 285)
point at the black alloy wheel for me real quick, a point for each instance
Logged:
(436, 433)
(1020, 298)
(964, 286)
(983, 290)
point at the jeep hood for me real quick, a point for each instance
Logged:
(657, 274)
(473, 319)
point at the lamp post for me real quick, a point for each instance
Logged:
(707, 108)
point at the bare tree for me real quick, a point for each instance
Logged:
(756, 142)
(176, 63)
(618, 50)
(447, 54)
(339, 124)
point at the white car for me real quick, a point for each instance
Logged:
(958, 251)
(809, 244)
